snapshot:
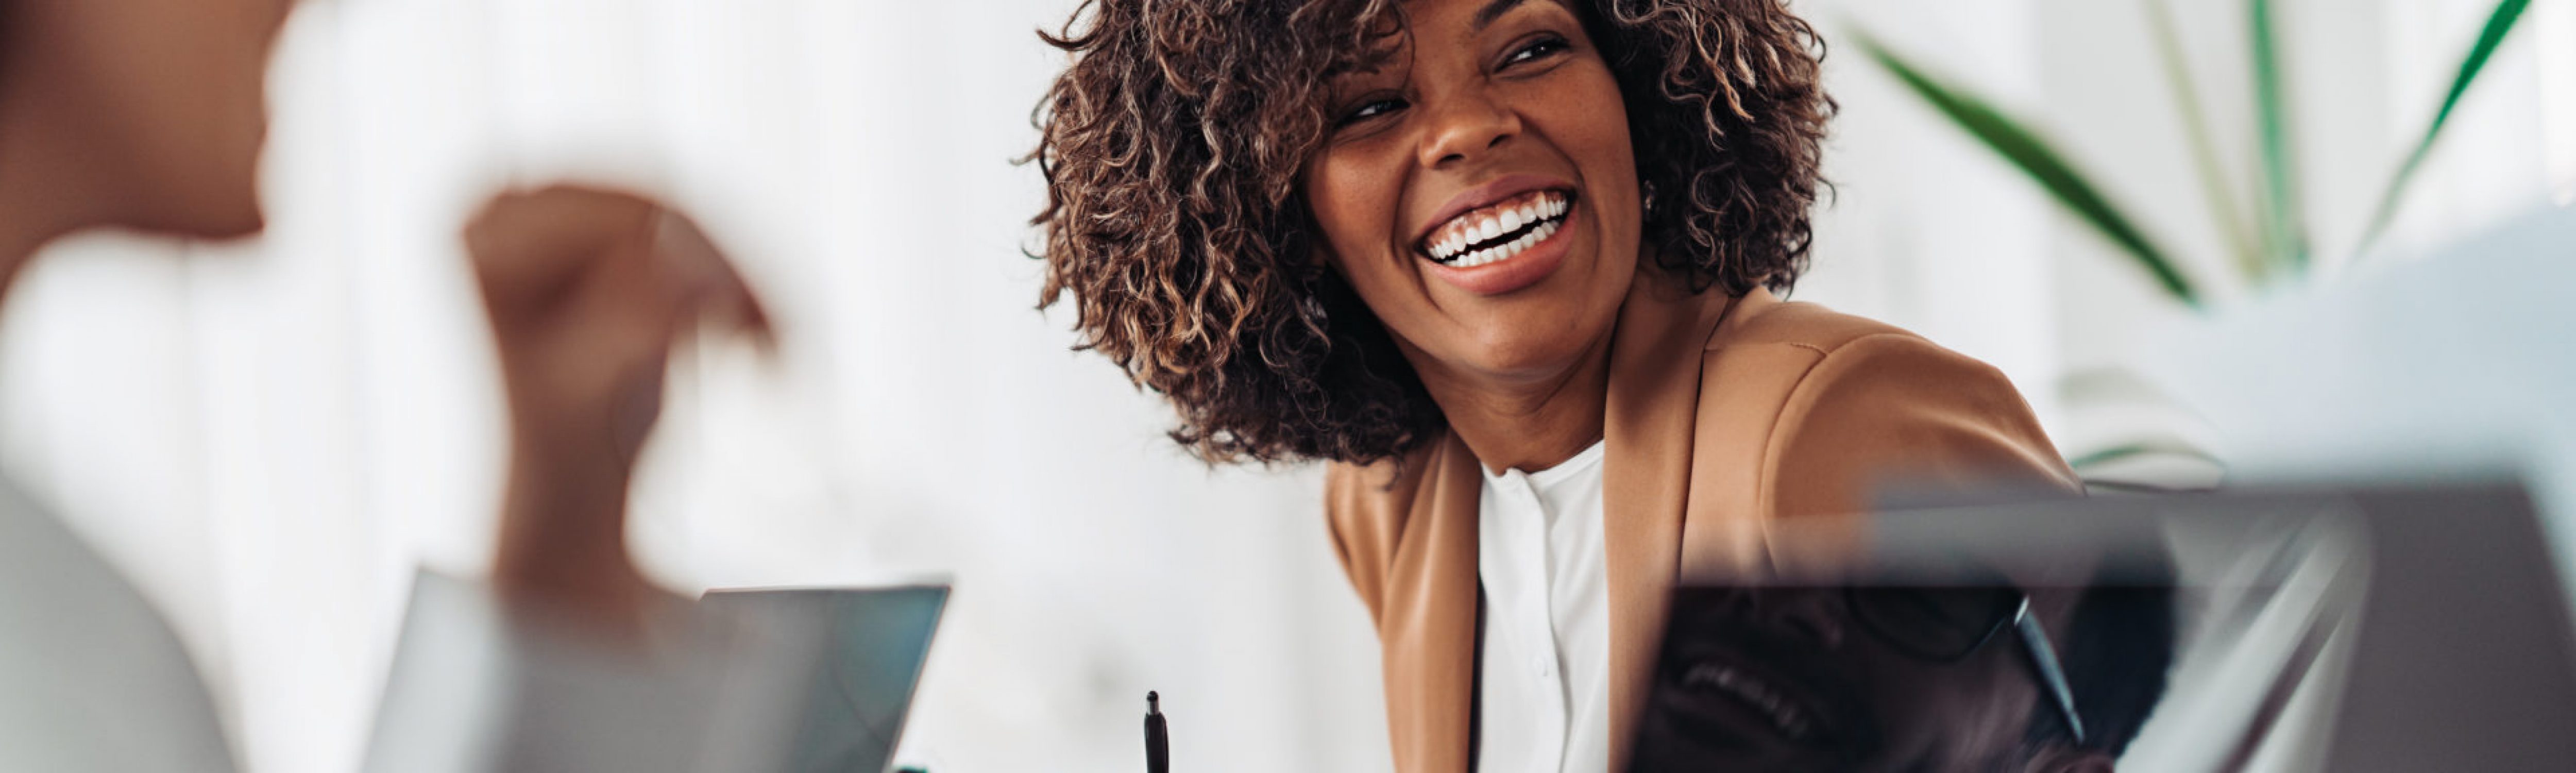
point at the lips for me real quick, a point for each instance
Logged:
(1500, 237)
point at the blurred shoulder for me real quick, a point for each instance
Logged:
(91, 676)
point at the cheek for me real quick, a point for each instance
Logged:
(185, 75)
(199, 102)
(1594, 118)
(1354, 205)
(1585, 118)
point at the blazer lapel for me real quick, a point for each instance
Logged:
(1648, 430)
(1439, 646)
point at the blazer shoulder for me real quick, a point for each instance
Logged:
(1366, 507)
(1857, 404)
(1802, 325)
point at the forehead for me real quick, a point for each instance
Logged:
(1393, 36)
(1474, 12)
(1467, 18)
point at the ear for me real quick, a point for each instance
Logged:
(1318, 249)
(2060, 758)
(1322, 254)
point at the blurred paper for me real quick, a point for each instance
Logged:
(2449, 365)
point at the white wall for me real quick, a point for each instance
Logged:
(272, 436)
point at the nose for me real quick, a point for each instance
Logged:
(1812, 615)
(1465, 125)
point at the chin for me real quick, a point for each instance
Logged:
(232, 214)
(205, 193)
(1527, 354)
(1544, 337)
(207, 225)
(247, 223)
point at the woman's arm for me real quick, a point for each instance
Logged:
(588, 291)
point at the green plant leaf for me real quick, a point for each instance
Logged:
(2499, 25)
(2108, 384)
(2144, 448)
(2216, 190)
(2285, 237)
(2037, 158)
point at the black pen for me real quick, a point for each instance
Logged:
(1158, 739)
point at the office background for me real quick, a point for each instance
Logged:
(273, 436)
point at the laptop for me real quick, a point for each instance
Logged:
(876, 642)
(789, 680)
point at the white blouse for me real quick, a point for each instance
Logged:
(1539, 557)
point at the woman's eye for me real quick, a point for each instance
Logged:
(1538, 49)
(1371, 109)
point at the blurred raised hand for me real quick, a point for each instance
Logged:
(589, 291)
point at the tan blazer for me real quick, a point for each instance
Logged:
(1788, 410)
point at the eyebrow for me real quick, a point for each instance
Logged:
(1494, 10)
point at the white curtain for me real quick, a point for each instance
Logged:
(271, 436)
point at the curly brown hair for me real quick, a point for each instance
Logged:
(1172, 148)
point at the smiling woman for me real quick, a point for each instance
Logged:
(1192, 254)
(1508, 265)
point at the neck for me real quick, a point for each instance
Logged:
(1528, 422)
(45, 193)
(18, 244)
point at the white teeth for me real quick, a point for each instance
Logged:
(1507, 251)
(1545, 210)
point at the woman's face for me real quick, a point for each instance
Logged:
(167, 100)
(1479, 191)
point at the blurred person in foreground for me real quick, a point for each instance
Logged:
(150, 115)
(1508, 266)
(1976, 674)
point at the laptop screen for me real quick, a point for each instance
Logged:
(876, 642)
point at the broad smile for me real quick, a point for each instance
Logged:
(1501, 236)
(1498, 232)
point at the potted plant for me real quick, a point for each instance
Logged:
(2268, 241)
